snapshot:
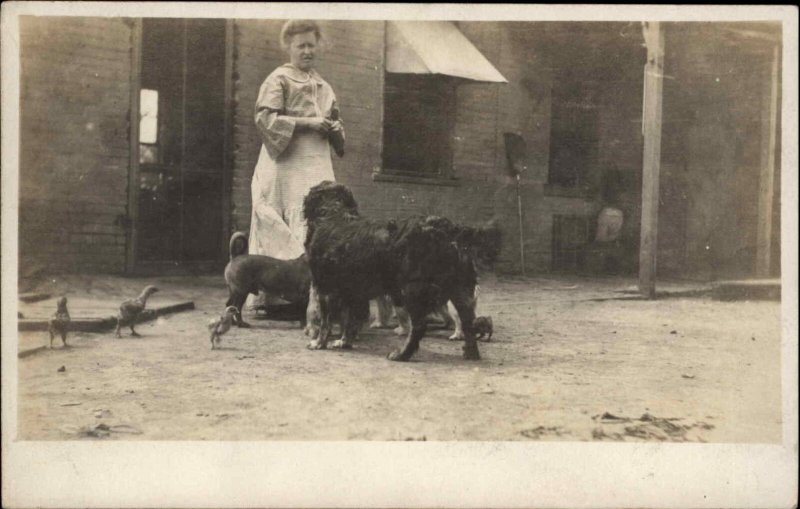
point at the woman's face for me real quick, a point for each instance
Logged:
(302, 49)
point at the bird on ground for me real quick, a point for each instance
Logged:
(59, 323)
(221, 325)
(131, 310)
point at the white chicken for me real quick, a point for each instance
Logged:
(221, 325)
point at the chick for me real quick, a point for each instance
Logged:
(221, 325)
(130, 310)
(483, 326)
(59, 323)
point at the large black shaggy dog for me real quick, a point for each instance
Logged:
(419, 262)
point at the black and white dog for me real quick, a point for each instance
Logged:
(421, 263)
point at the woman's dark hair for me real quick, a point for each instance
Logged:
(298, 26)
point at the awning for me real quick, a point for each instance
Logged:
(435, 47)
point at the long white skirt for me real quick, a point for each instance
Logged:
(277, 226)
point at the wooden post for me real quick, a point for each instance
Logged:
(769, 120)
(521, 230)
(228, 150)
(651, 161)
(133, 163)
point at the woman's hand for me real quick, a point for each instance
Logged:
(336, 125)
(318, 124)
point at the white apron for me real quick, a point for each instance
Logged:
(277, 227)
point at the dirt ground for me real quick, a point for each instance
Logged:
(571, 359)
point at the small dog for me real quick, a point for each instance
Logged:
(221, 325)
(483, 327)
(245, 274)
(59, 323)
(130, 310)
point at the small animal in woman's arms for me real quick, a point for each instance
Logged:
(336, 132)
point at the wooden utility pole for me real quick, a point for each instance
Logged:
(769, 121)
(651, 162)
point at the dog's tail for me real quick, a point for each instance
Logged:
(238, 245)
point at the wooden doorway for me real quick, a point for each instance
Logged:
(180, 147)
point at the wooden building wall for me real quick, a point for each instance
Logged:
(711, 148)
(74, 148)
(353, 64)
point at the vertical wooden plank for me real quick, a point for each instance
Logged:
(184, 87)
(769, 118)
(651, 161)
(381, 99)
(227, 151)
(133, 166)
(447, 170)
(521, 219)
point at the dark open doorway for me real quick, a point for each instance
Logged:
(181, 147)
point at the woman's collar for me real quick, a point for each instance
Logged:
(299, 75)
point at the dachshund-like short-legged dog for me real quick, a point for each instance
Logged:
(247, 274)
(415, 261)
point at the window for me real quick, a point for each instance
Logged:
(419, 112)
(425, 61)
(148, 126)
(574, 137)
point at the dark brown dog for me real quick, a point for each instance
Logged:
(416, 261)
(247, 274)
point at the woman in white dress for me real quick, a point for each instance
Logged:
(296, 116)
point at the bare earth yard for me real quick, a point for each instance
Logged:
(571, 359)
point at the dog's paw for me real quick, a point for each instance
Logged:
(400, 330)
(471, 352)
(316, 345)
(457, 336)
(342, 344)
(397, 356)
